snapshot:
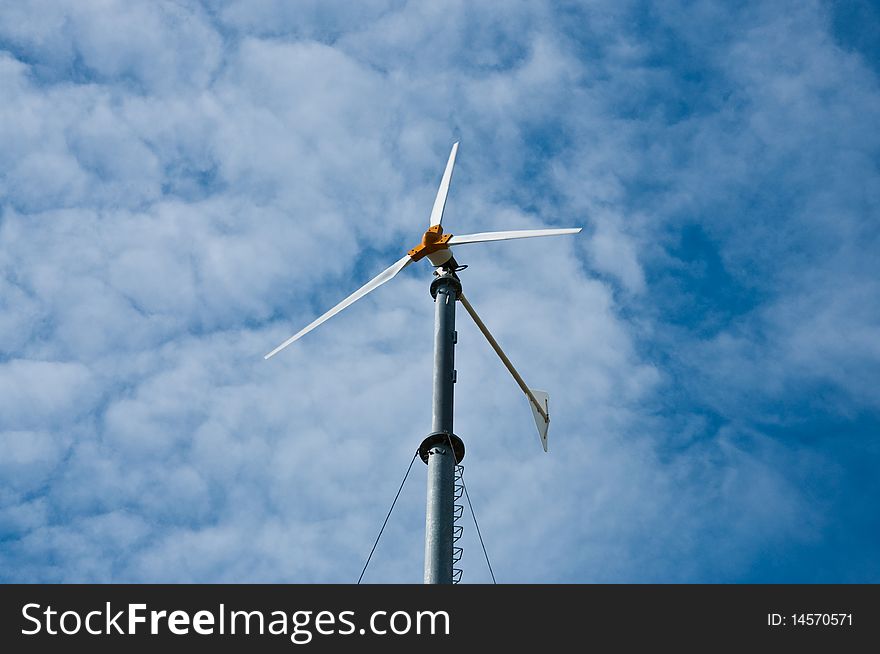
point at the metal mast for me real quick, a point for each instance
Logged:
(442, 449)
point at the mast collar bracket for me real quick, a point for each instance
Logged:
(449, 278)
(441, 438)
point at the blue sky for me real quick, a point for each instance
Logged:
(183, 185)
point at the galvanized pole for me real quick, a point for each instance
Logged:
(441, 450)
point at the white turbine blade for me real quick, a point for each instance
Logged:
(371, 285)
(482, 237)
(443, 191)
(538, 400)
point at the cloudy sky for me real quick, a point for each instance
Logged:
(185, 184)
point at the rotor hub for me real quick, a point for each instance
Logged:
(434, 245)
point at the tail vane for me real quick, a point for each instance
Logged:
(542, 421)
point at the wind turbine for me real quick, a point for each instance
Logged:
(442, 450)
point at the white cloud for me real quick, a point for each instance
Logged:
(162, 47)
